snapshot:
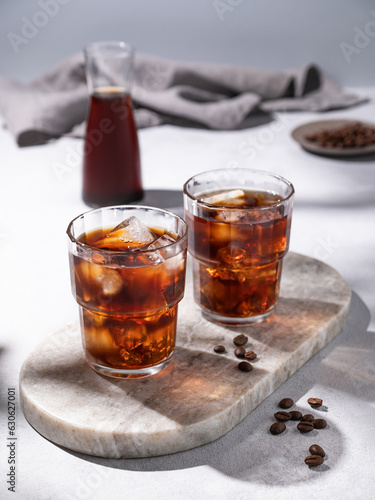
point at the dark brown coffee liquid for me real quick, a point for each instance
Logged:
(128, 314)
(111, 170)
(238, 249)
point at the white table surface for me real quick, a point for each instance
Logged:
(334, 221)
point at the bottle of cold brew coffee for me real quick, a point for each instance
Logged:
(111, 167)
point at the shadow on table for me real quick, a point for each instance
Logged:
(162, 198)
(256, 118)
(370, 157)
(249, 452)
(167, 199)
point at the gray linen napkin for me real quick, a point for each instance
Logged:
(211, 95)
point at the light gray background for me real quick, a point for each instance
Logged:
(268, 34)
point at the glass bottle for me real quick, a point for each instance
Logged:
(111, 168)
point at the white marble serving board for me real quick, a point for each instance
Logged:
(201, 395)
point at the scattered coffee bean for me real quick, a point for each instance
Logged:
(305, 427)
(308, 418)
(250, 355)
(244, 366)
(219, 349)
(282, 416)
(315, 402)
(240, 339)
(295, 415)
(277, 428)
(286, 403)
(314, 460)
(315, 449)
(239, 352)
(319, 423)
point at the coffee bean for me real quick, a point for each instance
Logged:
(277, 428)
(308, 418)
(219, 349)
(351, 135)
(244, 366)
(239, 352)
(315, 449)
(314, 460)
(315, 402)
(319, 423)
(295, 415)
(286, 403)
(305, 427)
(250, 355)
(282, 416)
(240, 339)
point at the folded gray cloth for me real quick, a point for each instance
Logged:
(211, 95)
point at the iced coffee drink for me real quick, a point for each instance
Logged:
(239, 227)
(128, 276)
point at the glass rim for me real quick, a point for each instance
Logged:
(243, 169)
(85, 246)
(116, 48)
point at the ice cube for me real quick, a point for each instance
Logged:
(130, 334)
(230, 215)
(93, 275)
(162, 241)
(233, 197)
(132, 230)
(110, 281)
(100, 340)
(232, 256)
(88, 270)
